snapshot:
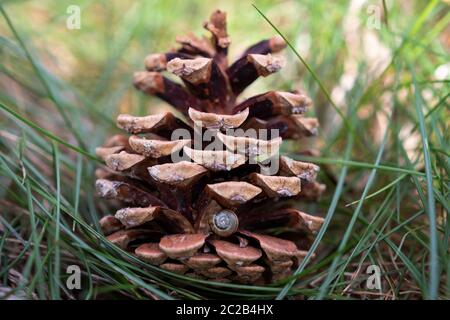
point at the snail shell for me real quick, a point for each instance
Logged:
(224, 223)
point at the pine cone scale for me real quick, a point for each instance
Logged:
(210, 213)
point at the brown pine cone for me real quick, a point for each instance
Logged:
(220, 213)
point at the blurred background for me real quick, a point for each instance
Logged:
(377, 71)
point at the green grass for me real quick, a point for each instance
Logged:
(383, 143)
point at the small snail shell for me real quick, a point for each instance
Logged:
(224, 223)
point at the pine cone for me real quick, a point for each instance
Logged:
(217, 213)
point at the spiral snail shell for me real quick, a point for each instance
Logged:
(224, 223)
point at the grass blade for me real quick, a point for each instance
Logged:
(431, 207)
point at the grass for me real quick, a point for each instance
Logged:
(383, 143)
